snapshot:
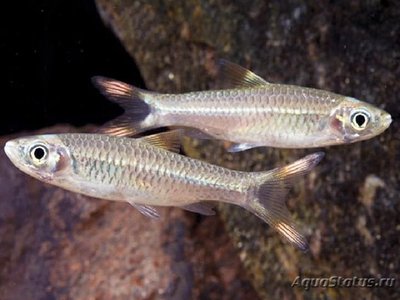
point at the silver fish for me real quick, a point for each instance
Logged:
(254, 113)
(145, 173)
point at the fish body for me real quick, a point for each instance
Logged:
(254, 113)
(144, 173)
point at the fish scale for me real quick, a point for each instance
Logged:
(146, 169)
(212, 104)
(252, 113)
(144, 173)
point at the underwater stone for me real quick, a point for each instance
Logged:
(351, 48)
(55, 244)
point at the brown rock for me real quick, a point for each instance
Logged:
(61, 245)
(349, 47)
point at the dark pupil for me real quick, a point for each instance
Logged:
(39, 153)
(360, 120)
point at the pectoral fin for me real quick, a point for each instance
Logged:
(240, 147)
(197, 134)
(147, 210)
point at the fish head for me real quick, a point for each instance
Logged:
(355, 120)
(43, 157)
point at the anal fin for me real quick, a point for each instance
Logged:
(200, 208)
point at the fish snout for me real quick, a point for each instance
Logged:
(11, 149)
(386, 120)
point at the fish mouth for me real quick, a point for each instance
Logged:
(387, 120)
(10, 149)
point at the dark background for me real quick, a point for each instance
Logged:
(49, 50)
(55, 244)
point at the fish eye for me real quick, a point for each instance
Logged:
(360, 119)
(38, 152)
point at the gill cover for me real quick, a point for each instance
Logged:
(354, 120)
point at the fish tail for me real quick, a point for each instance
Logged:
(138, 114)
(267, 200)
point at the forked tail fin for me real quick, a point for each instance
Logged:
(269, 197)
(133, 100)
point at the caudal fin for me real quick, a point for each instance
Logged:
(269, 199)
(132, 100)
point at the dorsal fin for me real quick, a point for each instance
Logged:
(169, 140)
(233, 75)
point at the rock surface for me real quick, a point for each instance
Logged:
(349, 205)
(58, 245)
